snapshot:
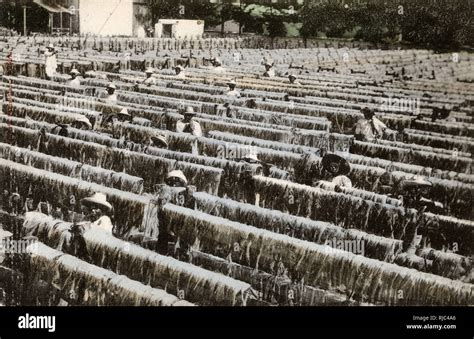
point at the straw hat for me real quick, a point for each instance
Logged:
(331, 158)
(74, 71)
(111, 85)
(150, 70)
(268, 64)
(98, 199)
(50, 46)
(231, 82)
(189, 110)
(177, 174)
(217, 61)
(180, 68)
(83, 119)
(159, 140)
(251, 157)
(416, 181)
(291, 75)
(124, 111)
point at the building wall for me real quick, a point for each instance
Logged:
(181, 28)
(106, 17)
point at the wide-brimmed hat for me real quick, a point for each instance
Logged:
(217, 61)
(267, 63)
(331, 158)
(177, 174)
(231, 82)
(160, 140)
(189, 110)
(82, 119)
(150, 70)
(97, 200)
(181, 68)
(74, 71)
(416, 181)
(51, 46)
(112, 85)
(251, 157)
(124, 111)
(291, 75)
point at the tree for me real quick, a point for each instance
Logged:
(275, 25)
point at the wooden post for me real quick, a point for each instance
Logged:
(24, 20)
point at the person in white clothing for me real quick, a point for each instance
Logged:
(180, 74)
(111, 97)
(149, 80)
(74, 82)
(292, 80)
(51, 62)
(370, 128)
(217, 63)
(269, 72)
(334, 169)
(231, 89)
(188, 125)
(97, 207)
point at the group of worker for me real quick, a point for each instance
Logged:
(334, 168)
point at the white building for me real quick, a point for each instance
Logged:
(176, 28)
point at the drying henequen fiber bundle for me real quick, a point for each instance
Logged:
(305, 229)
(66, 193)
(90, 285)
(187, 281)
(338, 208)
(317, 265)
(121, 181)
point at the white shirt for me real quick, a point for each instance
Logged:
(343, 181)
(233, 93)
(219, 69)
(149, 81)
(74, 82)
(270, 73)
(51, 63)
(111, 99)
(103, 223)
(182, 126)
(181, 75)
(364, 127)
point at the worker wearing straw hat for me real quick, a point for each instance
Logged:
(293, 80)
(413, 191)
(111, 97)
(159, 141)
(217, 63)
(232, 92)
(96, 209)
(81, 122)
(180, 74)
(176, 178)
(188, 125)
(369, 128)
(121, 116)
(51, 62)
(74, 82)
(269, 72)
(149, 80)
(335, 168)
